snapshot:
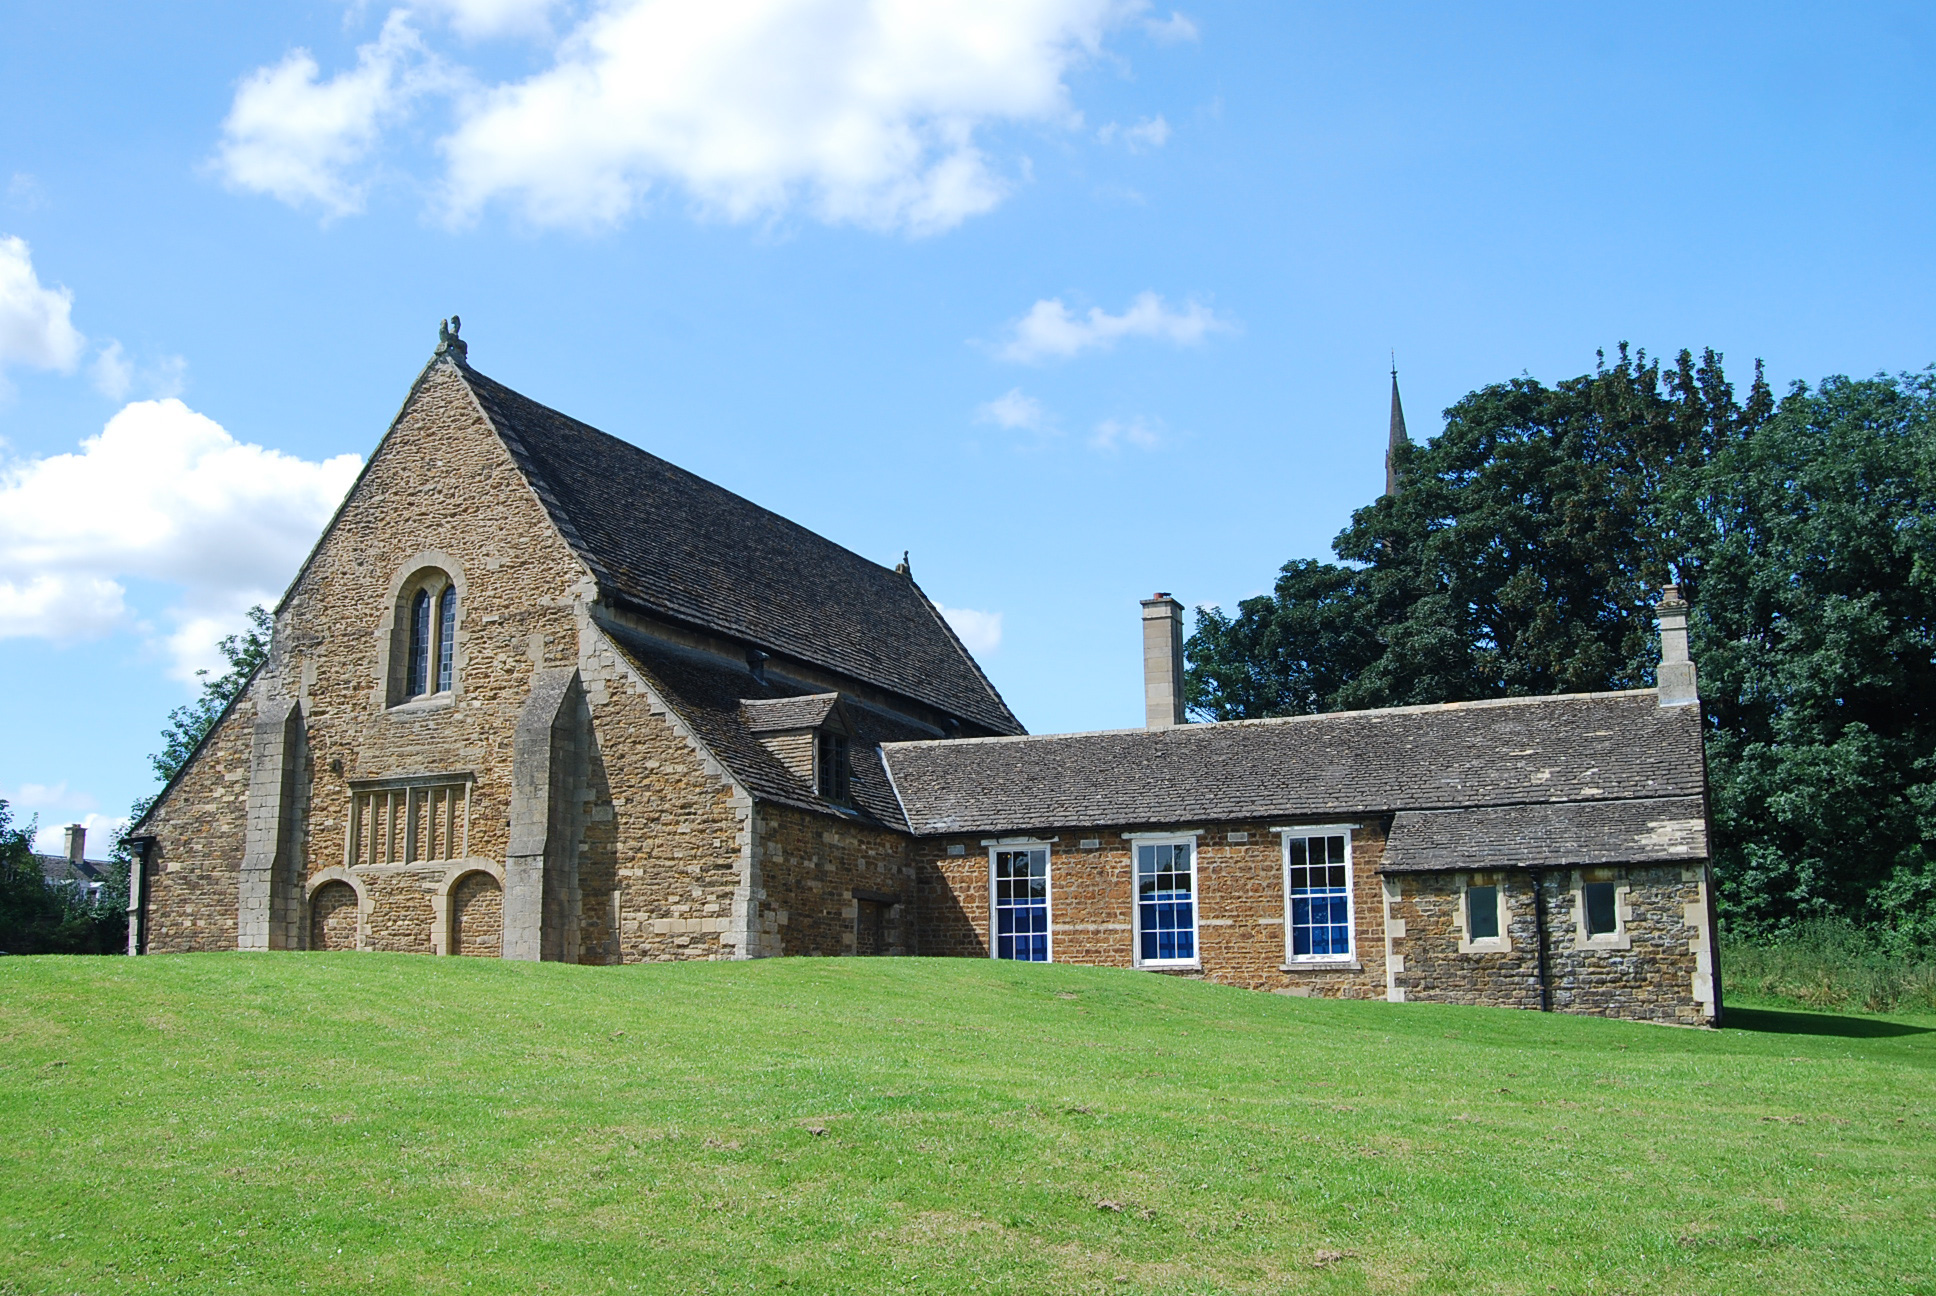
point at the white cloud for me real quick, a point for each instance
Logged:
(294, 136)
(1151, 132)
(57, 806)
(35, 325)
(113, 375)
(865, 113)
(477, 19)
(24, 192)
(1013, 410)
(1172, 30)
(1050, 332)
(102, 831)
(1113, 434)
(980, 632)
(162, 494)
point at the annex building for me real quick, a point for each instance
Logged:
(538, 694)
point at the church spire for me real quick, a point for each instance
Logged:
(1398, 437)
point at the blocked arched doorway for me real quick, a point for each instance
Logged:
(332, 917)
(477, 916)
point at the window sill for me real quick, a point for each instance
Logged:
(1323, 965)
(1182, 965)
(424, 705)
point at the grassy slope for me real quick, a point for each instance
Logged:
(402, 1124)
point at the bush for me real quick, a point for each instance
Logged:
(1833, 964)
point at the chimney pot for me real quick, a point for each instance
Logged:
(1162, 662)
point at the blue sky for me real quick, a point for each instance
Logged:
(1074, 300)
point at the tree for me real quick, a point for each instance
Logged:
(1815, 636)
(187, 725)
(1525, 549)
(39, 917)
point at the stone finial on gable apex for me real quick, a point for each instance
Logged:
(902, 568)
(449, 344)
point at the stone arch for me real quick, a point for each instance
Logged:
(477, 916)
(338, 910)
(432, 572)
(469, 910)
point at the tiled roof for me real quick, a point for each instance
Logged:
(1577, 747)
(770, 715)
(710, 696)
(59, 868)
(680, 547)
(1571, 833)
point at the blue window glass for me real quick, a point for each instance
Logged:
(419, 683)
(1320, 890)
(1166, 910)
(446, 636)
(1022, 904)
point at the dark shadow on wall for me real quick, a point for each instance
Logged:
(1775, 1021)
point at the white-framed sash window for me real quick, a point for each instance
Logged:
(1018, 901)
(1166, 901)
(1320, 915)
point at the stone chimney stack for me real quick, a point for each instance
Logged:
(1675, 680)
(1162, 662)
(76, 844)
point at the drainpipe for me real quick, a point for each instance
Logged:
(1539, 938)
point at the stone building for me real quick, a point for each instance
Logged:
(73, 869)
(538, 694)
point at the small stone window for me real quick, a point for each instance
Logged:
(834, 767)
(409, 822)
(1482, 913)
(1600, 900)
(1602, 917)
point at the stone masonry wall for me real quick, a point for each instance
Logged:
(810, 865)
(443, 492)
(1647, 972)
(662, 860)
(1425, 925)
(199, 829)
(1240, 900)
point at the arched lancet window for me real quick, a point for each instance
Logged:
(446, 636)
(422, 660)
(419, 677)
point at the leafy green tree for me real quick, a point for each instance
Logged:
(187, 725)
(1525, 549)
(38, 917)
(1815, 636)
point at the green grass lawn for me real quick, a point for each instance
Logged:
(378, 1123)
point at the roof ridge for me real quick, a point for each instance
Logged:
(1211, 726)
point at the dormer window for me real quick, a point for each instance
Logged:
(835, 769)
(810, 734)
